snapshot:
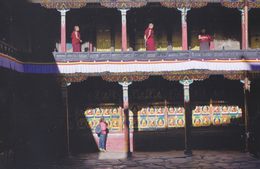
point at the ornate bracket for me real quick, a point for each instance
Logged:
(123, 4)
(254, 3)
(63, 4)
(178, 77)
(66, 80)
(236, 76)
(184, 4)
(233, 3)
(240, 4)
(124, 78)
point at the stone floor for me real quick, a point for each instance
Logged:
(156, 160)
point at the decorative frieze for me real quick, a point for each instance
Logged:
(184, 4)
(71, 78)
(123, 4)
(63, 4)
(178, 77)
(124, 78)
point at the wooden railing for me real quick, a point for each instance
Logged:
(7, 49)
(157, 55)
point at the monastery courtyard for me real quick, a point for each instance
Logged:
(155, 160)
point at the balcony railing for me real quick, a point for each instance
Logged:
(7, 49)
(157, 55)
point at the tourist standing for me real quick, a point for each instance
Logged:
(103, 134)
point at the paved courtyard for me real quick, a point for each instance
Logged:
(156, 160)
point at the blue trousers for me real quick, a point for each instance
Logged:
(102, 141)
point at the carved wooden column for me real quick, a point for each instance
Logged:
(246, 88)
(125, 81)
(125, 85)
(124, 28)
(123, 6)
(184, 12)
(186, 81)
(63, 30)
(64, 88)
(188, 115)
(184, 7)
(245, 26)
(65, 81)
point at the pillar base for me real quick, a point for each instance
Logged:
(188, 152)
(129, 155)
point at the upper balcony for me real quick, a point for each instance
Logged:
(135, 62)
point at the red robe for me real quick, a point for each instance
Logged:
(206, 42)
(75, 42)
(150, 44)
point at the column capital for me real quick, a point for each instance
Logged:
(247, 83)
(243, 11)
(65, 84)
(123, 10)
(184, 10)
(125, 83)
(63, 11)
(186, 82)
(186, 87)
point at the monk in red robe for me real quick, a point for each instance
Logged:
(149, 38)
(75, 40)
(206, 41)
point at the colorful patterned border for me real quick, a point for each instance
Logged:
(160, 117)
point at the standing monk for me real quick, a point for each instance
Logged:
(149, 38)
(75, 40)
(205, 40)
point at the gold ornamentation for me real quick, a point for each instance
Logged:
(184, 4)
(233, 4)
(63, 4)
(123, 4)
(72, 78)
(178, 77)
(254, 3)
(235, 76)
(124, 78)
(241, 3)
